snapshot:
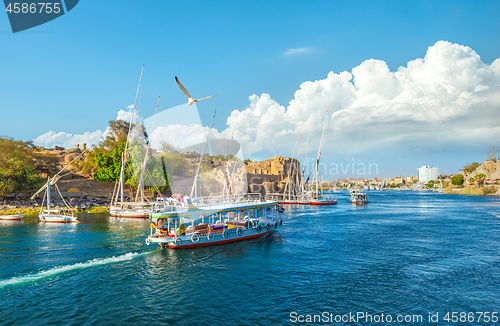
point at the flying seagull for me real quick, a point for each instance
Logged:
(191, 100)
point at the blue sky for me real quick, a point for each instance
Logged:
(75, 73)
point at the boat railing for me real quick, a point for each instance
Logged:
(60, 211)
(221, 201)
(131, 205)
(245, 197)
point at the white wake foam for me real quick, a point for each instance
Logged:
(55, 271)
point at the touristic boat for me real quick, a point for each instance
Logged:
(358, 197)
(11, 217)
(214, 220)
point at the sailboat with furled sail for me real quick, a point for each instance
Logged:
(303, 198)
(53, 214)
(317, 197)
(292, 180)
(140, 207)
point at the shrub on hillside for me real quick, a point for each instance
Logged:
(488, 190)
(458, 180)
(21, 166)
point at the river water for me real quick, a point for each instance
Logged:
(403, 255)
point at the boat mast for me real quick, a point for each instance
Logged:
(125, 152)
(304, 166)
(297, 171)
(48, 193)
(325, 126)
(194, 189)
(226, 173)
(289, 174)
(143, 170)
(234, 168)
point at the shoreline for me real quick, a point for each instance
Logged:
(473, 191)
(34, 211)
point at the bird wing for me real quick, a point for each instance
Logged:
(184, 90)
(207, 97)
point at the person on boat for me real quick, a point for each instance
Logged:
(181, 230)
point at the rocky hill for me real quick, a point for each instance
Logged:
(490, 169)
(490, 186)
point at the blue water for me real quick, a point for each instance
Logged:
(403, 254)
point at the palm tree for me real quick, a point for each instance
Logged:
(480, 179)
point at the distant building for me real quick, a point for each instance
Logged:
(410, 180)
(426, 174)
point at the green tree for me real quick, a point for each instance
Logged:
(158, 175)
(471, 167)
(457, 180)
(108, 163)
(104, 162)
(430, 184)
(471, 181)
(118, 131)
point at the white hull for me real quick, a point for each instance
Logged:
(323, 202)
(140, 210)
(11, 217)
(139, 213)
(56, 218)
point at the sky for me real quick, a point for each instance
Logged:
(407, 84)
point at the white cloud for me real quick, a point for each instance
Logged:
(127, 115)
(296, 51)
(179, 135)
(67, 140)
(448, 98)
(51, 139)
(131, 106)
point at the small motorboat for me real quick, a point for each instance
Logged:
(11, 217)
(358, 197)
